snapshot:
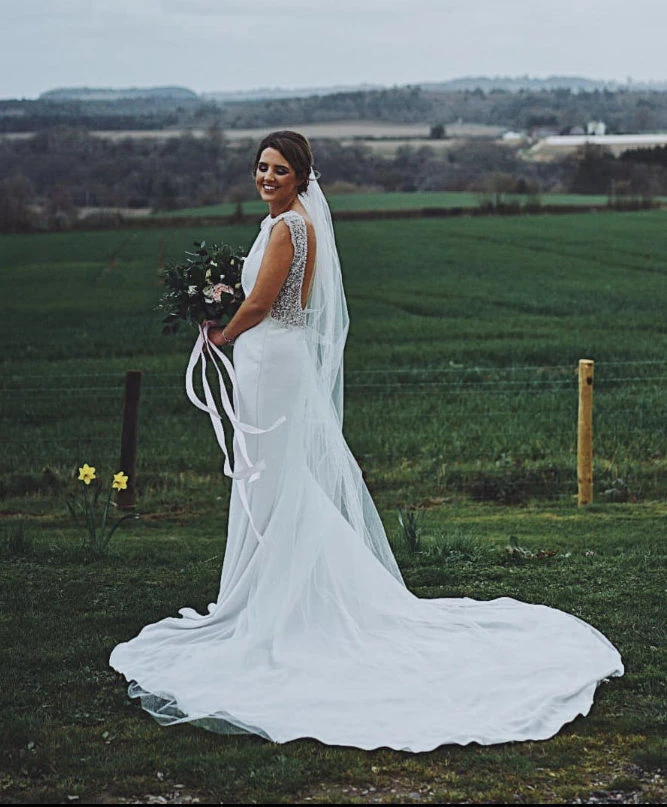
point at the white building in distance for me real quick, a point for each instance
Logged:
(596, 127)
(560, 145)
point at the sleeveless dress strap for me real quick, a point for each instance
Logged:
(286, 308)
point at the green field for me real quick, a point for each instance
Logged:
(392, 201)
(461, 359)
(461, 397)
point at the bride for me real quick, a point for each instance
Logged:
(314, 633)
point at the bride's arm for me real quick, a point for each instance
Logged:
(273, 272)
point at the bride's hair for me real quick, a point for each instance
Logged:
(295, 149)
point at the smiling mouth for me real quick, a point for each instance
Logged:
(270, 187)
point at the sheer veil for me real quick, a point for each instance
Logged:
(327, 322)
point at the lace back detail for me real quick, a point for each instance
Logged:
(287, 306)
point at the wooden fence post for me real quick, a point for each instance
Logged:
(128, 442)
(585, 433)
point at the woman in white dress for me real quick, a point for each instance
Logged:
(314, 633)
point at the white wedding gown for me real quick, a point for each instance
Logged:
(314, 633)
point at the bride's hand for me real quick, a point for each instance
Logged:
(212, 325)
(215, 335)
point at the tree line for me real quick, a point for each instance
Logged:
(622, 110)
(45, 179)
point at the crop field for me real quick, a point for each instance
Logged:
(372, 130)
(461, 399)
(354, 129)
(461, 358)
(389, 147)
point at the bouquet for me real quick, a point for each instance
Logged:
(206, 286)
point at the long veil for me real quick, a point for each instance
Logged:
(327, 322)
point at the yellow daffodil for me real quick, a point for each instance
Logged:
(85, 507)
(86, 473)
(120, 481)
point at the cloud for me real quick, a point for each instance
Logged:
(241, 44)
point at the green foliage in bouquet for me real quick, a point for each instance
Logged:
(206, 286)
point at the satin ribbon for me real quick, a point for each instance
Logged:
(251, 472)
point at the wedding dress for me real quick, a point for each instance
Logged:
(314, 634)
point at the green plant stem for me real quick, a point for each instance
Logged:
(118, 523)
(104, 520)
(90, 517)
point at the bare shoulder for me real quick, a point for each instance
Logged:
(280, 248)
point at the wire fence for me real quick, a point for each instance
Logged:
(18, 387)
(486, 410)
(389, 370)
(16, 382)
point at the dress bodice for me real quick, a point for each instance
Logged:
(286, 308)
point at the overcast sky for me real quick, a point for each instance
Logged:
(245, 44)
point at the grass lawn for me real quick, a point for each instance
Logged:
(68, 728)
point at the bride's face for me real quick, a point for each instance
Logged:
(275, 178)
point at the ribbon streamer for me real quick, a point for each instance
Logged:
(251, 472)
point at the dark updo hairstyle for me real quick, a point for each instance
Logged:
(295, 149)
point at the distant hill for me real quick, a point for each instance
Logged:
(518, 83)
(558, 104)
(113, 94)
(273, 93)
(470, 83)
